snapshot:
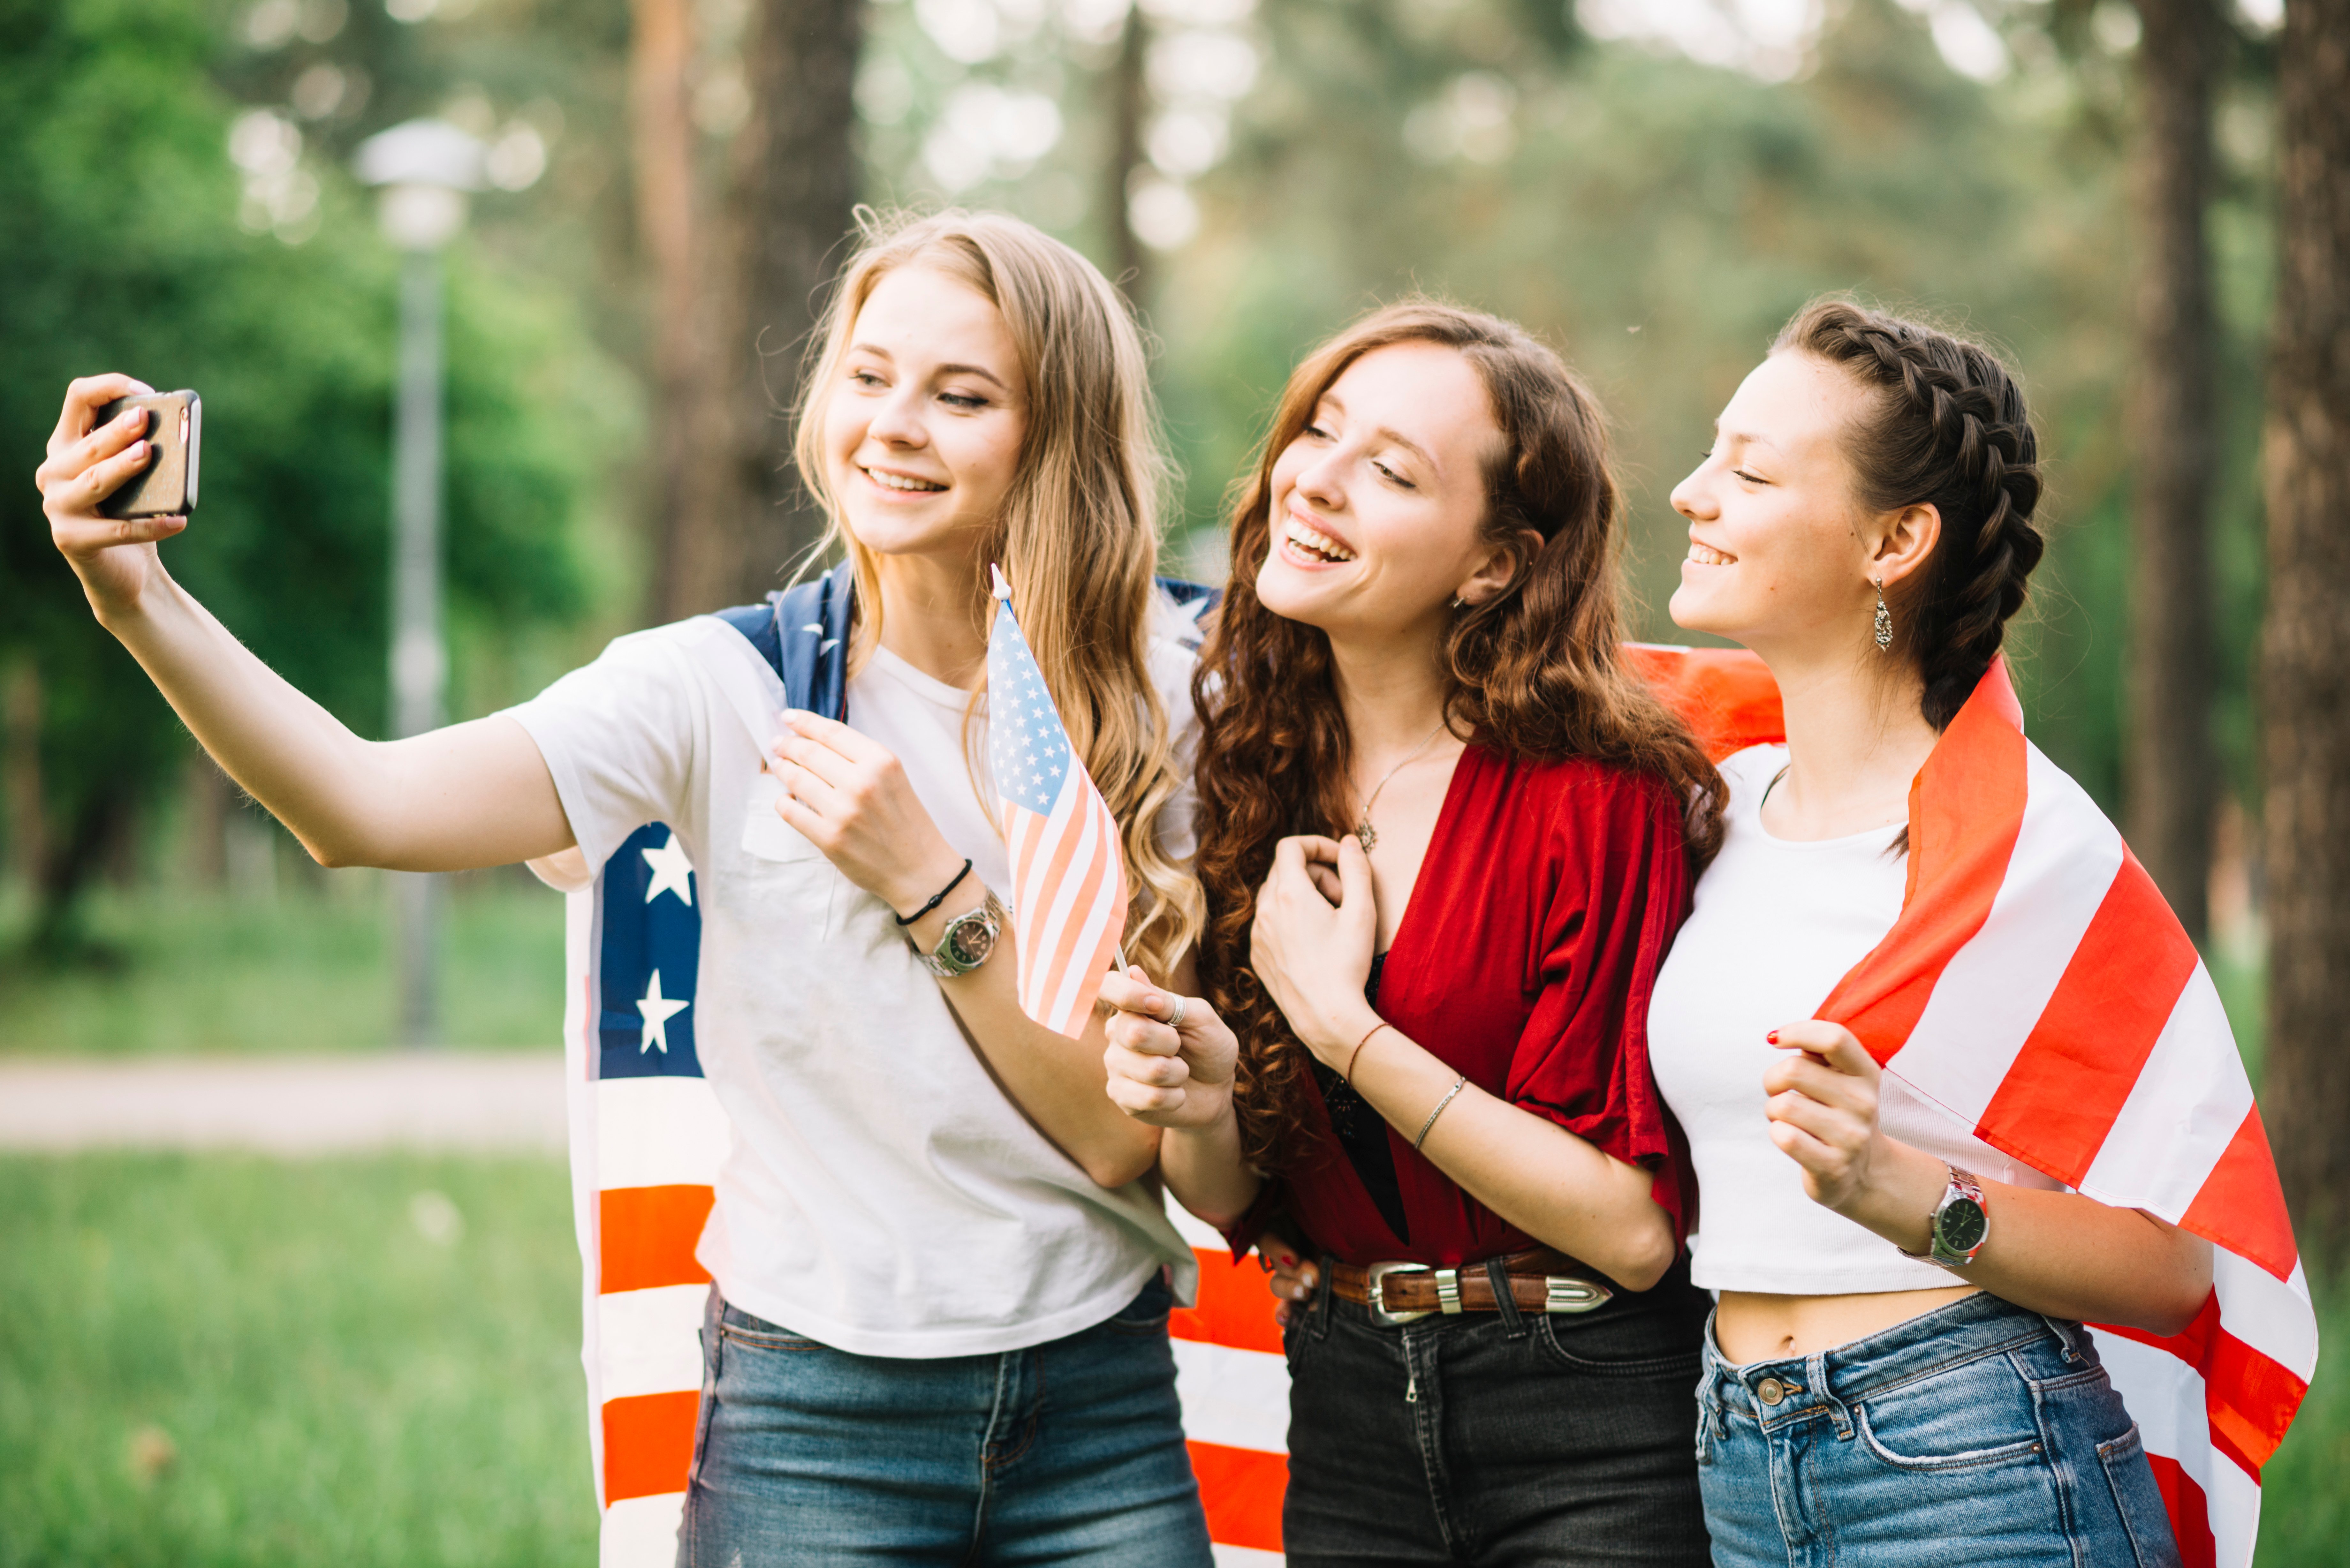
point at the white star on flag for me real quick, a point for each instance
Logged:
(670, 868)
(657, 1010)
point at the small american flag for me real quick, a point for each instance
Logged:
(1068, 879)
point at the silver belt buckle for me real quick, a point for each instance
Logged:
(1564, 1292)
(1376, 1297)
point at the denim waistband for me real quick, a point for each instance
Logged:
(1824, 1383)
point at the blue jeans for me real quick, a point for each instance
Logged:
(1067, 1452)
(1977, 1433)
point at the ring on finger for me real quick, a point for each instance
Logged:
(1174, 1019)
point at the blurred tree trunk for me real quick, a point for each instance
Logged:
(791, 204)
(2305, 646)
(205, 803)
(71, 861)
(661, 64)
(739, 290)
(2172, 785)
(20, 726)
(1128, 100)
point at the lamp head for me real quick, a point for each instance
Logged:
(424, 169)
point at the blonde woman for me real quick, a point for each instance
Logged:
(938, 1327)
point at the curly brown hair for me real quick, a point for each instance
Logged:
(1537, 670)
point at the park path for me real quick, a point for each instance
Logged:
(460, 1102)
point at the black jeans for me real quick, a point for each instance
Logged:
(1485, 1438)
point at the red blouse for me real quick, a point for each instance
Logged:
(1548, 899)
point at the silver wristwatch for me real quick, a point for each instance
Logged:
(1960, 1223)
(965, 945)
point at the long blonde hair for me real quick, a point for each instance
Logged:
(1079, 533)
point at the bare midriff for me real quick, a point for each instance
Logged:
(1753, 1326)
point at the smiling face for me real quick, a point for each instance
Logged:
(1782, 552)
(1379, 507)
(923, 430)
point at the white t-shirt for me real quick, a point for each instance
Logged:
(1776, 924)
(881, 1194)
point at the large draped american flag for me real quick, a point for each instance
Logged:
(2035, 987)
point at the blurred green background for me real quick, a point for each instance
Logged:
(218, 1359)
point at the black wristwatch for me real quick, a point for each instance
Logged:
(968, 940)
(1960, 1223)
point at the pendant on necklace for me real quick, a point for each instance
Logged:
(1367, 834)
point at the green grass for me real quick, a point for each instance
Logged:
(241, 1361)
(310, 969)
(217, 1361)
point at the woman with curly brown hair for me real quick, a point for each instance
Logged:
(1446, 838)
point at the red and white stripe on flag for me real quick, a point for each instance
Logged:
(1068, 876)
(1234, 1383)
(645, 1150)
(2038, 989)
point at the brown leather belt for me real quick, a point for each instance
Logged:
(1540, 1280)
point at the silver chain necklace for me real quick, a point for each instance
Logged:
(1364, 830)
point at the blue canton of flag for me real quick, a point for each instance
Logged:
(1026, 745)
(649, 945)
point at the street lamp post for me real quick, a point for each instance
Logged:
(424, 168)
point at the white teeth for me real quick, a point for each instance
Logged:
(900, 481)
(1317, 542)
(1706, 556)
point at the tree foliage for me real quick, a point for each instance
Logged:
(1658, 219)
(123, 250)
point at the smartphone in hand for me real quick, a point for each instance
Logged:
(166, 487)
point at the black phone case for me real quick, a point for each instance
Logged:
(166, 487)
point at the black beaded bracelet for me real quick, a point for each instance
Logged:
(936, 898)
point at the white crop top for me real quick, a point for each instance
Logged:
(1777, 923)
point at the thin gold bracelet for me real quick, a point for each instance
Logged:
(1349, 1074)
(1458, 1084)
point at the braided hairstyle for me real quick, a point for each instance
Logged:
(1948, 428)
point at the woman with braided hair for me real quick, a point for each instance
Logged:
(1897, 1371)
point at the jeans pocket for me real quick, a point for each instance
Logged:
(711, 1357)
(1621, 1344)
(1145, 1317)
(736, 1326)
(2139, 1500)
(1978, 1414)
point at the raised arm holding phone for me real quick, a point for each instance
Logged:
(928, 1195)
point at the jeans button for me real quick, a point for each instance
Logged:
(1771, 1390)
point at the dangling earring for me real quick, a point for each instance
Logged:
(1457, 602)
(1884, 619)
